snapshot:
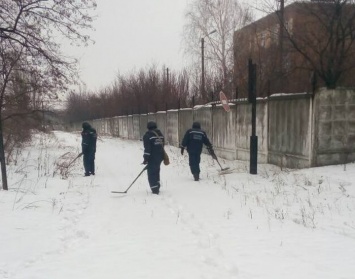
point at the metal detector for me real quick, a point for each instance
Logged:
(80, 154)
(215, 157)
(125, 192)
(222, 169)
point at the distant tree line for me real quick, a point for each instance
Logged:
(150, 90)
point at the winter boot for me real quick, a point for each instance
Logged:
(155, 189)
(196, 176)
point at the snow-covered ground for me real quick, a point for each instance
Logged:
(279, 224)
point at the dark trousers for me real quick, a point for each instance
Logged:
(89, 162)
(194, 162)
(153, 171)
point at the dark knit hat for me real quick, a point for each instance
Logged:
(86, 125)
(196, 125)
(151, 125)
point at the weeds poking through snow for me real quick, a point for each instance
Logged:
(64, 164)
(342, 188)
(54, 204)
(34, 204)
(307, 217)
(228, 213)
(302, 197)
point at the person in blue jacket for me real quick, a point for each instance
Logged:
(193, 141)
(88, 147)
(153, 141)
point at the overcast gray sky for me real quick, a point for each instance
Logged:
(132, 34)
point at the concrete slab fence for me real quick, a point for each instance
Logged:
(294, 130)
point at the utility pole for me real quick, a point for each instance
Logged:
(167, 94)
(203, 66)
(252, 100)
(167, 97)
(281, 12)
(281, 40)
(2, 158)
(43, 125)
(203, 73)
(203, 62)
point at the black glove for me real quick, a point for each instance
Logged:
(182, 150)
(145, 162)
(211, 151)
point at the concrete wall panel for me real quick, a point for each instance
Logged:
(115, 127)
(204, 116)
(224, 132)
(290, 130)
(161, 121)
(293, 131)
(136, 127)
(172, 130)
(130, 128)
(142, 125)
(334, 135)
(243, 130)
(185, 122)
(123, 127)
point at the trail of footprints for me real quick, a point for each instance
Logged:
(206, 241)
(70, 238)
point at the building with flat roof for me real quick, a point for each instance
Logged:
(301, 47)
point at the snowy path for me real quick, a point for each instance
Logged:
(233, 226)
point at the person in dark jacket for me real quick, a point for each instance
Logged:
(153, 141)
(88, 147)
(193, 141)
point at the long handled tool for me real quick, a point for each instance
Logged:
(80, 154)
(125, 192)
(210, 150)
(222, 169)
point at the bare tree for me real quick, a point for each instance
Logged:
(327, 43)
(29, 33)
(202, 18)
(300, 47)
(265, 7)
(325, 47)
(143, 91)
